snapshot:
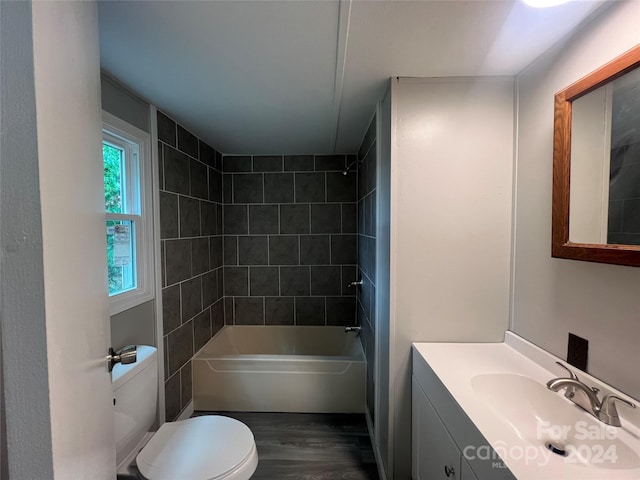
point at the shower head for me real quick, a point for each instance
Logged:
(346, 170)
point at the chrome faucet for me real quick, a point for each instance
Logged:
(587, 398)
(353, 329)
(582, 395)
(609, 413)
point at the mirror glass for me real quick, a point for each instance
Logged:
(605, 164)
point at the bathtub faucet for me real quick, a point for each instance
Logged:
(353, 329)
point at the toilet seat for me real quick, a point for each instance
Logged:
(209, 447)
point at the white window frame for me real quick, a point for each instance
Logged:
(123, 134)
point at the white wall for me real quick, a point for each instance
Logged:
(451, 198)
(67, 91)
(552, 297)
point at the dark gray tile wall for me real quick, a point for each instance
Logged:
(366, 220)
(290, 240)
(624, 193)
(191, 245)
(270, 240)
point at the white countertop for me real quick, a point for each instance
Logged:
(456, 364)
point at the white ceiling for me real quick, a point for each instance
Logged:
(304, 76)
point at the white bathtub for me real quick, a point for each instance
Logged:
(281, 369)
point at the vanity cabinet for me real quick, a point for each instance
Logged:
(466, 472)
(434, 453)
(442, 434)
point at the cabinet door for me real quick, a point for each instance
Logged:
(435, 456)
(465, 471)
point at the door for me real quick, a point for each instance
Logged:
(69, 139)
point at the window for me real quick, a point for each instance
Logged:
(127, 198)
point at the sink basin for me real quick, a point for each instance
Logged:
(558, 429)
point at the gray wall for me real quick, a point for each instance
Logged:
(551, 296)
(383, 238)
(374, 203)
(191, 251)
(289, 240)
(4, 458)
(137, 325)
(28, 452)
(122, 103)
(367, 214)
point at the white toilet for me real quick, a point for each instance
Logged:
(209, 447)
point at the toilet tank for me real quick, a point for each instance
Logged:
(135, 394)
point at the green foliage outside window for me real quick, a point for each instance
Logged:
(112, 158)
(113, 166)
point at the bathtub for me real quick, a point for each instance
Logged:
(281, 369)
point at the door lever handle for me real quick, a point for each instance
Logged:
(126, 355)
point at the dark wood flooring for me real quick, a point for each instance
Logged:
(309, 446)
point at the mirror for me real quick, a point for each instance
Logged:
(596, 165)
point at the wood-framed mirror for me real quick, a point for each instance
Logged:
(596, 165)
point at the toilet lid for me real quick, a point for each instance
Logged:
(199, 448)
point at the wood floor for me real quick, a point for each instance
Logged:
(303, 446)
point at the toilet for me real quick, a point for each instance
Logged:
(209, 447)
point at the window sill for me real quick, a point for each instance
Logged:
(128, 300)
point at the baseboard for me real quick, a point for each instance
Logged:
(127, 468)
(186, 412)
(374, 445)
